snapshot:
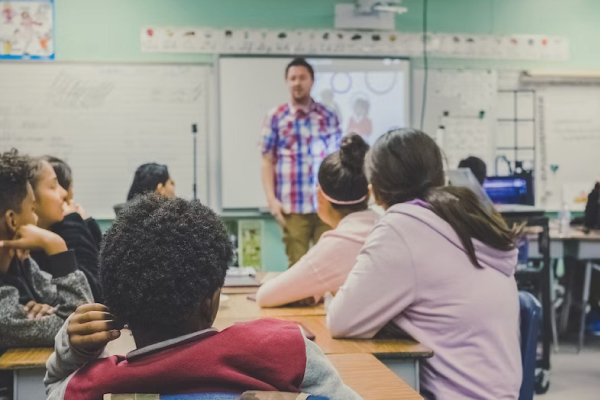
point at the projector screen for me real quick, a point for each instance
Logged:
(370, 97)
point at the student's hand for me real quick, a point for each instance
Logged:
(82, 212)
(31, 237)
(37, 311)
(276, 209)
(91, 327)
(70, 208)
(307, 302)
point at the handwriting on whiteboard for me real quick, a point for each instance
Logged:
(464, 137)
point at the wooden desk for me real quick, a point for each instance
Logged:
(238, 306)
(402, 356)
(29, 368)
(362, 372)
(370, 378)
(581, 246)
(261, 276)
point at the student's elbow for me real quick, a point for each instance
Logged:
(344, 325)
(340, 327)
(264, 299)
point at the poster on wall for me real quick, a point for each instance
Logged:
(27, 30)
(250, 236)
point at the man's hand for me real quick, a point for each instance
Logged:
(31, 237)
(91, 327)
(37, 311)
(276, 209)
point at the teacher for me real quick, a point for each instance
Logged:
(297, 136)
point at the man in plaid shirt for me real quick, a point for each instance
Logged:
(297, 136)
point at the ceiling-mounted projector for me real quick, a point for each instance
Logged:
(372, 6)
(368, 14)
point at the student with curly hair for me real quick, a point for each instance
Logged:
(33, 304)
(162, 266)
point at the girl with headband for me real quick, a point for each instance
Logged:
(343, 197)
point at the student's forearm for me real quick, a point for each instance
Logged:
(292, 285)
(63, 363)
(16, 330)
(268, 178)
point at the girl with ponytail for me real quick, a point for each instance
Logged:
(343, 197)
(440, 267)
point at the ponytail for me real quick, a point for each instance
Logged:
(463, 211)
(406, 164)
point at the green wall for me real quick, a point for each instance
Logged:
(109, 31)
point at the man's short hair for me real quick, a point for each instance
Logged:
(300, 62)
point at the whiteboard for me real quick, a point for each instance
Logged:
(105, 120)
(453, 111)
(569, 137)
(249, 87)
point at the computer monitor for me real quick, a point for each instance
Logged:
(510, 189)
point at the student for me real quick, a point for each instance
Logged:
(33, 304)
(149, 178)
(162, 266)
(477, 166)
(65, 180)
(50, 201)
(441, 268)
(343, 200)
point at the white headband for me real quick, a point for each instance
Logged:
(342, 203)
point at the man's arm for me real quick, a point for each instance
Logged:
(269, 139)
(268, 180)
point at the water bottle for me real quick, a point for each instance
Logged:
(564, 220)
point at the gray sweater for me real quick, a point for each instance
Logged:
(64, 288)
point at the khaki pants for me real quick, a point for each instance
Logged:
(299, 231)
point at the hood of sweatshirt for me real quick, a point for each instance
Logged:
(502, 261)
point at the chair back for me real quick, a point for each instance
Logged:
(531, 317)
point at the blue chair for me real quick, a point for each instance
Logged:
(531, 317)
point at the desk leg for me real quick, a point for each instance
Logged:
(586, 296)
(552, 305)
(29, 384)
(406, 369)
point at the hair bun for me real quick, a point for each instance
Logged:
(352, 152)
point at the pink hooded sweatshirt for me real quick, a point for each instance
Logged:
(414, 272)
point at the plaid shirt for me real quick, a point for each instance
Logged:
(299, 141)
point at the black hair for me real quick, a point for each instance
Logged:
(62, 170)
(161, 259)
(300, 62)
(36, 164)
(342, 175)
(14, 175)
(147, 177)
(477, 166)
(407, 164)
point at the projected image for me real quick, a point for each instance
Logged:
(367, 103)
